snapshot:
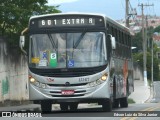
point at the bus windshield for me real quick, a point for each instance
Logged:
(67, 50)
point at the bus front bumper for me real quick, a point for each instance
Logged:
(81, 93)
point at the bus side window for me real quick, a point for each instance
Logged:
(109, 46)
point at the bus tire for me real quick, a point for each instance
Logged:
(116, 103)
(124, 102)
(73, 106)
(107, 105)
(46, 106)
(64, 106)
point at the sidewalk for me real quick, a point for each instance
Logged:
(141, 93)
(29, 108)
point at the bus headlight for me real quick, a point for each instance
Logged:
(32, 80)
(95, 83)
(37, 83)
(92, 84)
(99, 81)
(104, 77)
(43, 85)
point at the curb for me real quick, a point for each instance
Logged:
(7, 103)
(22, 108)
(150, 96)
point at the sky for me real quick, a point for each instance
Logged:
(112, 8)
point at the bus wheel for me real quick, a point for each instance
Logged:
(64, 106)
(107, 105)
(46, 106)
(73, 106)
(124, 102)
(116, 103)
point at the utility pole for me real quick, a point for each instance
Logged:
(144, 44)
(147, 37)
(152, 62)
(127, 13)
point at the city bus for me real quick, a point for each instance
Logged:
(78, 58)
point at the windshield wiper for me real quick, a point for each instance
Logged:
(52, 41)
(79, 40)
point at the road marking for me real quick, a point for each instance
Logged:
(147, 110)
(154, 108)
(125, 118)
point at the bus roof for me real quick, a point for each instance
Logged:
(79, 13)
(69, 13)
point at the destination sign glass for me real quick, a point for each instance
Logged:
(61, 21)
(67, 22)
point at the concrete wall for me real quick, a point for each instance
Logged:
(13, 74)
(156, 93)
(138, 72)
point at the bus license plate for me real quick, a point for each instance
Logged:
(67, 92)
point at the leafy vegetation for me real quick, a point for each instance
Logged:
(138, 54)
(15, 15)
(131, 101)
(157, 29)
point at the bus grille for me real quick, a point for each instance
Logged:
(68, 72)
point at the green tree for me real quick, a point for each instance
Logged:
(14, 14)
(137, 41)
(138, 56)
(157, 29)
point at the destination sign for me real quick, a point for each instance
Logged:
(66, 22)
(60, 21)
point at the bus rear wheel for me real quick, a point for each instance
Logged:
(116, 103)
(107, 105)
(124, 102)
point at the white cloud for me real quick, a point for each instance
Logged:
(57, 2)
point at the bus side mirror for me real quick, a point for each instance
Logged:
(22, 44)
(113, 42)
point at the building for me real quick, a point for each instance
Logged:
(136, 24)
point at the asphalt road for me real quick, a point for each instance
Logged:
(96, 111)
(133, 112)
